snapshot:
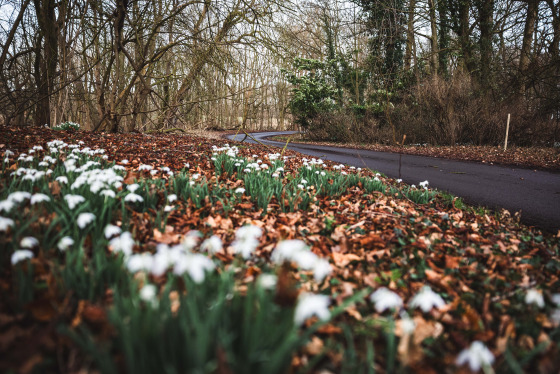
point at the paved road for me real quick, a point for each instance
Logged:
(535, 193)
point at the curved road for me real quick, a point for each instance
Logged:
(535, 193)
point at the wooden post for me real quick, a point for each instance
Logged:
(507, 133)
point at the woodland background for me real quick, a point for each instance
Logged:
(439, 71)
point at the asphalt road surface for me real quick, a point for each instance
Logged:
(535, 193)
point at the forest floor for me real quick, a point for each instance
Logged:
(544, 158)
(135, 253)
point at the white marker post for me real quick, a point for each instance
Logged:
(507, 133)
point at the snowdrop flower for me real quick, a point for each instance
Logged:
(385, 299)
(123, 243)
(19, 196)
(171, 198)
(133, 198)
(212, 245)
(108, 193)
(535, 297)
(153, 172)
(124, 162)
(191, 240)
(240, 190)
(133, 187)
(311, 305)
(195, 176)
(111, 230)
(140, 262)
(6, 205)
(321, 270)
(426, 299)
(407, 324)
(148, 293)
(195, 265)
(85, 219)
(168, 208)
(20, 255)
(246, 240)
(5, 223)
(477, 356)
(8, 153)
(267, 281)
(424, 184)
(145, 167)
(556, 299)
(29, 242)
(399, 180)
(248, 232)
(73, 200)
(39, 198)
(62, 179)
(65, 243)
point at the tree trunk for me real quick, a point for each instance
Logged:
(532, 13)
(434, 57)
(486, 23)
(409, 35)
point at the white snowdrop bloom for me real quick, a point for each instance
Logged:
(124, 243)
(426, 299)
(424, 184)
(6, 160)
(237, 164)
(39, 198)
(247, 170)
(168, 208)
(65, 243)
(96, 186)
(300, 186)
(264, 166)
(245, 247)
(139, 262)
(343, 173)
(323, 173)
(105, 157)
(117, 185)
(534, 296)
(124, 161)
(190, 241)
(321, 269)
(477, 356)
(8, 153)
(21, 255)
(306, 259)
(280, 169)
(37, 148)
(412, 186)
(187, 165)
(248, 232)
(43, 164)
(267, 281)
(133, 187)
(108, 193)
(385, 299)
(19, 196)
(399, 180)
(6, 205)
(555, 317)
(286, 249)
(303, 181)
(29, 159)
(240, 190)
(74, 200)
(53, 150)
(29, 242)
(49, 172)
(85, 219)
(5, 223)
(111, 230)
(171, 198)
(118, 168)
(556, 299)
(195, 265)
(70, 165)
(275, 175)
(148, 293)
(407, 324)
(311, 305)
(191, 183)
(145, 167)
(195, 176)
(62, 179)
(153, 172)
(133, 198)
(212, 245)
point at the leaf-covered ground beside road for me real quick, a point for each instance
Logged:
(98, 302)
(546, 158)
